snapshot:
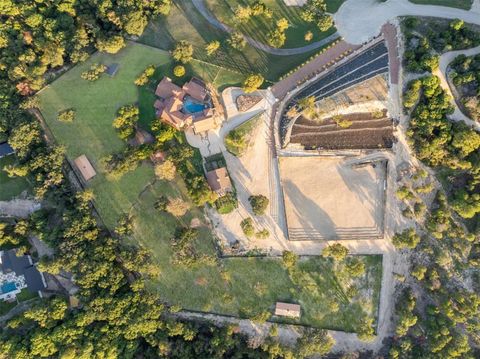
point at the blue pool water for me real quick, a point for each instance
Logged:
(8, 287)
(192, 106)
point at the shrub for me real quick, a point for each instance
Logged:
(308, 36)
(227, 203)
(289, 259)
(177, 207)
(145, 76)
(264, 233)
(179, 71)
(335, 251)
(94, 73)
(166, 170)
(66, 115)
(407, 239)
(259, 204)
(247, 227)
(237, 40)
(355, 267)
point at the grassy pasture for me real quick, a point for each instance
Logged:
(237, 286)
(185, 23)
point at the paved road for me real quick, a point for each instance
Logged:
(202, 9)
(441, 72)
(358, 21)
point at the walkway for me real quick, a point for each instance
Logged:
(205, 12)
(441, 72)
(358, 21)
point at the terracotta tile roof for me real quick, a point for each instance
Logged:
(166, 88)
(287, 310)
(85, 167)
(196, 89)
(218, 180)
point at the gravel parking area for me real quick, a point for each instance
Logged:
(328, 199)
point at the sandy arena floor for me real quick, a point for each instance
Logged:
(327, 198)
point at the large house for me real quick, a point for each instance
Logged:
(17, 273)
(185, 107)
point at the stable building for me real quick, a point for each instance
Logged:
(287, 310)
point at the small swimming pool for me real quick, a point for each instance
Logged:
(192, 106)
(8, 287)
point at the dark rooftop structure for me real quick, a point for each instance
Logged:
(22, 265)
(112, 69)
(6, 149)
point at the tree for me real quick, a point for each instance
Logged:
(177, 207)
(308, 36)
(111, 44)
(365, 330)
(166, 170)
(145, 76)
(243, 13)
(355, 267)
(247, 227)
(24, 137)
(66, 115)
(212, 47)
(289, 259)
(466, 141)
(335, 251)
(325, 22)
(406, 239)
(183, 52)
(282, 24)
(252, 83)
(237, 40)
(276, 38)
(259, 204)
(179, 71)
(126, 120)
(314, 341)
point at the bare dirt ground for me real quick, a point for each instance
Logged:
(326, 198)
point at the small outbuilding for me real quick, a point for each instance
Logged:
(85, 167)
(287, 310)
(6, 150)
(219, 181)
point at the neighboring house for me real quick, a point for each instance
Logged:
(6, 149)
(85, 167)
(287, 310)
(219, 181)
(17, 273)
(185, 107)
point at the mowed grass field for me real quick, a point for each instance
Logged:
(11, 187)
(461, 4)
(185, 23)
(238, 286)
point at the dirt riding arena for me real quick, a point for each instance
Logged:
(333, 198)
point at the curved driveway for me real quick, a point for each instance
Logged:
(202, 9)
(441, 72)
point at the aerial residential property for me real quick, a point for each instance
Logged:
(240, 179)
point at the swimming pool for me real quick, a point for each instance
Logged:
(8, 287)
(192, 106)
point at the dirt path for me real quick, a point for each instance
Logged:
(358, 21)
(202, 9)
(441, 72)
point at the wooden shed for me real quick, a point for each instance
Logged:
(85, 167)
(287, 310)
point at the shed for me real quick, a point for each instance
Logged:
(6, 149)
(112, 69)
(287, 310)
(219, 181)
(85, 167)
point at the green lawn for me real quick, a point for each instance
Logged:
(185, 23)
(461, 4)
(236, 286)
(11, 187)
(258, 27)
